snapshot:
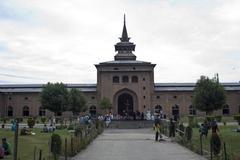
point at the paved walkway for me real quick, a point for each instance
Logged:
(134, 144)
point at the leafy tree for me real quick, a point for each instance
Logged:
(77, 102)
(209, 95)
(54, 97)
(105, 104)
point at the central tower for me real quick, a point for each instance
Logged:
(124, 48)
(125, 81)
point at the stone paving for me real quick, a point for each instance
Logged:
(134, 144)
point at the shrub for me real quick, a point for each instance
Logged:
(30, 122)
(188, 133)
(78, 131)
(71, 127)
(43, 119)
(19, 119)
(181, 128)
(215, 143)
(56, 145)
(191, 120)
(237, 118)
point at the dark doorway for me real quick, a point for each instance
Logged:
(125, 104)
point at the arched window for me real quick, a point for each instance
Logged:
(134, 79)
(157, 109)
(225, 110)
(25, 111)
(175, 110)
(115, 79)
(125, 79)
(93, 110)
(192, 110)
(42, 111)
(10, 111)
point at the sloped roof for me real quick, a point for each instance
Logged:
(190, 86)
(38, 87)
(158, 87)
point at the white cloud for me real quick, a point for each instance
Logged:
(60, 40)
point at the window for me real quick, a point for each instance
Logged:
(175, 110)
(42, 111)
(144, 106)
(157, 109)
(134, 68)
(125, 79)
(144, 88)
(10, 98)
(10, 111)
(115, 79)
(144, 97)
(175, 97)
(93, 97)
(143, 79)
(157, 97)
(93, 110)
(115, 68)
(192, 110)
(134, 79)
(25, 111)
(225, 110)
(26, 98)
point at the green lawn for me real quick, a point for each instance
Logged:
(232, 140)
(201, 119)
(28, 143)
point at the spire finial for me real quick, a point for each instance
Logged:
(124, 37)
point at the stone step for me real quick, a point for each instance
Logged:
(131, 124)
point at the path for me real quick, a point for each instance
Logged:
(134, 144)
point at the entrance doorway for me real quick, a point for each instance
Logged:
(125, 104)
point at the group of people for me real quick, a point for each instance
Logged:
(5, 148)
(158, 124)
(203, 130)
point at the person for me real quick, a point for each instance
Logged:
(45, 129)
(202, 130)
(171, 128)
(142, 116)
(25, 131)
(107, 120)
(1, 152)
(50, 128)
(6, 146)
(157, 130)
(214, 126)
(13, 128)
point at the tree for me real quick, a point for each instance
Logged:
(77, 102)
(209, 95)
(54, 97)
(105, 104)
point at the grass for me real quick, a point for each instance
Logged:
(232, 140)
(201, 119)
(28, 143)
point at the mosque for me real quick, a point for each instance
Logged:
(127, 82)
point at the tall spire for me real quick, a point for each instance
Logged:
(124, 48)
(124, 37)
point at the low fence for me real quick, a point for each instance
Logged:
(201, 146)
(81, 137)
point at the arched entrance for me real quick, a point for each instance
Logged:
(125, 100)
(125, 104)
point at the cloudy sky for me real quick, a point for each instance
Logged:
(61, 40)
